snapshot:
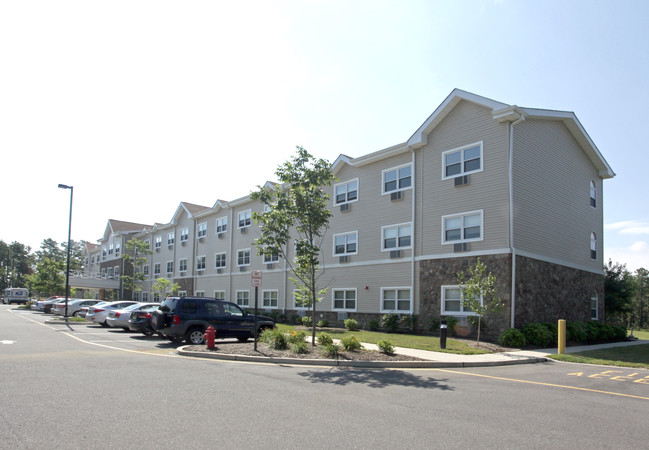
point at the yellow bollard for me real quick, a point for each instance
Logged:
(561, 344)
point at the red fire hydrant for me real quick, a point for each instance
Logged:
(209, 336)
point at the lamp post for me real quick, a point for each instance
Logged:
(67, 271)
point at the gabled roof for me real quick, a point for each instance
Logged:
(191, 210)
(121, 227)
(504, 112)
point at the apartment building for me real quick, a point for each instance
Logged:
(519, 188)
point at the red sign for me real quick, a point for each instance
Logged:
(255, 278)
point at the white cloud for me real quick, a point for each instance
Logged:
(634, 256)
(629, 227)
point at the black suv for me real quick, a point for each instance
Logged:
(187, 318)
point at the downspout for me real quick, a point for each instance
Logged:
(231, 255)
(412, 219)
(512, 248)
(194, 252)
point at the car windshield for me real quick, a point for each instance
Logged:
(169, 305)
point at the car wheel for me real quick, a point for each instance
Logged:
(195, 336)
(104, 324)
(157, 320)
(243, 338)
(76, 314)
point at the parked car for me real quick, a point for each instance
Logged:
(119, 318)
(140, 320)
(74, 306)
(47, 306)
(187, 318)
(39, 304)
(99, 312)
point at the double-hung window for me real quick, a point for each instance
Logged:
(465, 227)
(200, 262)
(219, 295)
(145, 269)
(184, 235)
(344, 299)
(397, 179)
(462, 161)
(221, 225)
(593, 195)
(219, 260)
(243, 298)
(346, 244)
(396, 300)
(171, 238)
(346, 192)
(158, 242)
(243, 257)
(170, 267)
(593, 246)
(245, 218)
(271, 259)
(110, 249)
(452, 302)
(396, 237)
(202, 229)
(182, 265)
(269, 299)
(156, 270)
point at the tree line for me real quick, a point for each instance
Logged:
(627, 295)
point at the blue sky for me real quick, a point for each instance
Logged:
(143, 104)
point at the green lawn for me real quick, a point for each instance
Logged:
(398, 340)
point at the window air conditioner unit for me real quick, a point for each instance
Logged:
(182, 273)
(345, 207)
(396, 196)
(462, 181)
(200, 239)
(219, 235)
(343, 259)
(395, 254)
(242, 268)
(244, 230)
(219, 270)
(342, 316)
(170, 246)
(157, 249)
(183, 243)
(270, 266)
(463, 247)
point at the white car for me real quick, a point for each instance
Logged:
(74, 306)
(118, 318)
(99, 312)
(40, 304)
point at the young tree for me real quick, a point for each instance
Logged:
(162, 286)
(479, 292)
(640, 304)
(618, 290)
(136, 254)
(297, 205)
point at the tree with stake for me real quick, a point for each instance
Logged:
(479, 293)
(162, 286)
(297, 205)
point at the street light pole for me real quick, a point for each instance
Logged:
(67, 271)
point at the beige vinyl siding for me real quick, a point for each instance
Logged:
(552, 212)
(488, 191)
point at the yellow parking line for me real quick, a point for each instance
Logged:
(540, 383)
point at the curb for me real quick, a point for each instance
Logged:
(359, 364)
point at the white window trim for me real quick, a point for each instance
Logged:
(383, 228)
(172, 266)
(398, 189)
(249, 257)
(145, 270)
(171, 238)
(216, 292)
(236, 298)
(202, 230)
(276, 291)
(462, 240)
(225, 260)
(225, 224)
(593, 194)
(345, 183)
(272, 259)
(204, 257)
(333, 298)
(246, 212)
(455, 313)
(157, 269)
(593, 246)
(180, 265)
(462, 172)
(594, 298)
(158, 241)
(299, 308)
(184, 234)
(346, 253)
(397, 288)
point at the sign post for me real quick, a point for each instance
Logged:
(255, 281)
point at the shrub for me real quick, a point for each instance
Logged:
(322, 323)
(275, 339)
(307, 321)
(373, 325)
(297, 320)
(296, 336)
(451, 324)
(385, 346)
(390, 322)
(351, 344)
(324, 339)
(409, 322)
(433, 325)
(512, 338)
(331, 350)
(576, 332)
(553, 329)
(301, 347)
(537, 335)
(351, 324)
(619, 332)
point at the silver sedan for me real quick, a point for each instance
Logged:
(118, 318)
